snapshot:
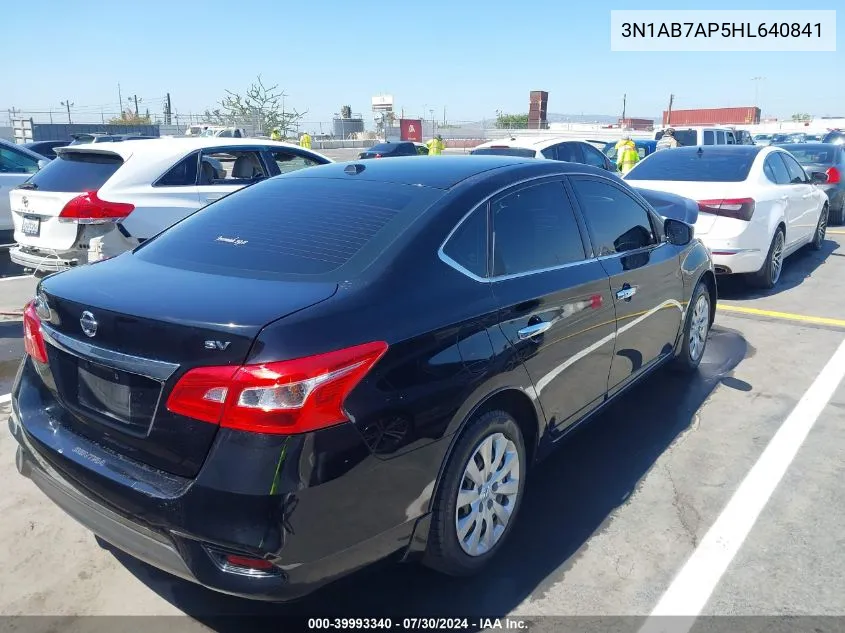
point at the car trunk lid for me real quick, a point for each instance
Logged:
(115, 355)
(37, 204)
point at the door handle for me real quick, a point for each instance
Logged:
(533, 330)
(626, 293)
(213, 198)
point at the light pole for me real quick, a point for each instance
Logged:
(68, 105)
(757, 81)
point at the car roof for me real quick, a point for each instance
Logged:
(443, 173)
(172, 146)
(529, 142)
(22, 149)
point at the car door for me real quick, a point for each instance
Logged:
(555, 302)
(644, 272)
(224, 170)
(803, 205)
(15, 168)
(594, 157)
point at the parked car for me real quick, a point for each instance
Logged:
(46, 149)
(422, 149)
(763, 139)
(96, 137)
(828, 160)
(243, 401)
(224, 132)
(834, 136)
(690, 136)
(644, 148)
(756, 204)
(93, 202)
(17, 164)
(552, 148)
(779, 139)
(798, 137)
(743, 137)
(813, 138)
(391, 150)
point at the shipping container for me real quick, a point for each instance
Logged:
(637, 124)
(714, 116)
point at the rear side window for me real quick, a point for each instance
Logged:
(467, 246)
(521, 152)
(76, 171)
(709, 138)
(534, 228)
(687, 138)
(707, 165)
(569, 152)
(282, 227)
(797, 175)
(183, 174)
(775, 170)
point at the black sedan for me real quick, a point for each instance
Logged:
(392, 150)
(341, 364)
(47, 149)
(828, 159)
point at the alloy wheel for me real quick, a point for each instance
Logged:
(821, 230)
(777, 257)
(699, 326)
(487, 495)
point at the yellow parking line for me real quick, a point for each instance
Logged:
(788, 316)
(836, 232)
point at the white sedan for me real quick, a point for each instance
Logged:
(756, 204)
(17, 163)
(98, 200)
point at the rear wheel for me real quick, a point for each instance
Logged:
(769, 275)
(821, 230)
(479, 496)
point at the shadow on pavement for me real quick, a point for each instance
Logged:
(796, 268)
(568, 498)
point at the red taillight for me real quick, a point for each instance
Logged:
(737, 208)
(249, 563)
(378, 156)
(292, 396)
(33, 340)
(834, 176)
(89, 209)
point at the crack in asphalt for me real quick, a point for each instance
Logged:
(684, 511)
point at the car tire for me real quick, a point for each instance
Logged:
(821, 230)
(696, 329)
(837, 217)
(769, 275)
(447, 551)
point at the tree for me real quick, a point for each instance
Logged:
(801, 116)
(261, 106)
(511, 121)
(129, 117)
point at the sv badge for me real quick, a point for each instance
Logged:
(217, 345)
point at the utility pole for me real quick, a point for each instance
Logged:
(669, 113)
(68, 105)
(624, 103)
(12, 113)
(120, 100)
(444, 116)
(757, 81)
(51, 116)
(167, 110)
(137, 111)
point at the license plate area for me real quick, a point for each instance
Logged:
(31, 226)
(121, 400)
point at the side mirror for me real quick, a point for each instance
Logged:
(820, 177)
(42, 163)
(677, 232)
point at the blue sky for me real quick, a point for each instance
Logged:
(470, 57)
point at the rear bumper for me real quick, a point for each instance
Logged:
(317, 520)
(38, 260)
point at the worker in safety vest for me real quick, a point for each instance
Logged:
(668, 140)
(435, 146)
(626, 154)
(305, 141)
(275, 135)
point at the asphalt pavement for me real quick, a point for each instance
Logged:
(609, 525)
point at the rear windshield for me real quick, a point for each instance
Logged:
(505, 151)
(76, 171)
(687, 138)
(288, 226)
(711, 165)
(384, 147)
(811, 155)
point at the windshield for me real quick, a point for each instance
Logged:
(704, 165)
(687, 138)
(521, 152)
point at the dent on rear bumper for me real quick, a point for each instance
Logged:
(40, 260)
(316, 505)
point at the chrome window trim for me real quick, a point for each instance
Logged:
(453, 264)
(157, 370)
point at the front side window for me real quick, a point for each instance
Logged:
(550, 153)
(14, 162)
(797, 176)
(592, 156)
(288, 161)
(231, 167)
(534, 228)
(617, 222)
(467, 246)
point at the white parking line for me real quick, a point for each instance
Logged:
(6, 398)
(689, 592)
(17, 277)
